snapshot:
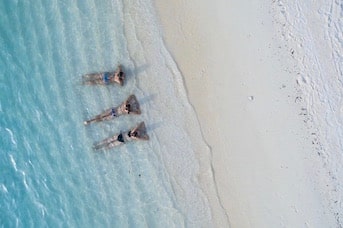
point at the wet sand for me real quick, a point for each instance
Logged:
(238, 82)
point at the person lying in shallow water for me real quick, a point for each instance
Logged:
(129, 106)
(105, 78)
(137, 133)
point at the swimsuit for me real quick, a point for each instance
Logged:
(113, 112)
(106, 78)
(120, 138)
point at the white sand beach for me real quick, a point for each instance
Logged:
(243, 89)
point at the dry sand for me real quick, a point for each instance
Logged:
(238, 81)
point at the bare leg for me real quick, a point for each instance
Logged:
(97, 76)
(105, 142)
(103, 116)
(91, 82)
(93, 79)
(108, 143)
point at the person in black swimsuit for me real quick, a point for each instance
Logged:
(128, 108)
(132, 134)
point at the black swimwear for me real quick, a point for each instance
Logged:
(113, 112)
(120, 138)
(128, 107)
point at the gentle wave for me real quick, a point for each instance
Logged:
(51, 176)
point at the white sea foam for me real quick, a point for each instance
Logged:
(171, 118)
(49, 157)
(14, 142)
(3, 188)
(14, 164)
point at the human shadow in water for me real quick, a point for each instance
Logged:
(136, 71)
(147, 99)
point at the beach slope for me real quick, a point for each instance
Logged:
(239, 82)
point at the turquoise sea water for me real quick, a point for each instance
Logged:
(49, 175)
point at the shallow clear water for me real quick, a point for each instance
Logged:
(49, 175)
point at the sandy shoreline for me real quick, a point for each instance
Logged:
(237, 81)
